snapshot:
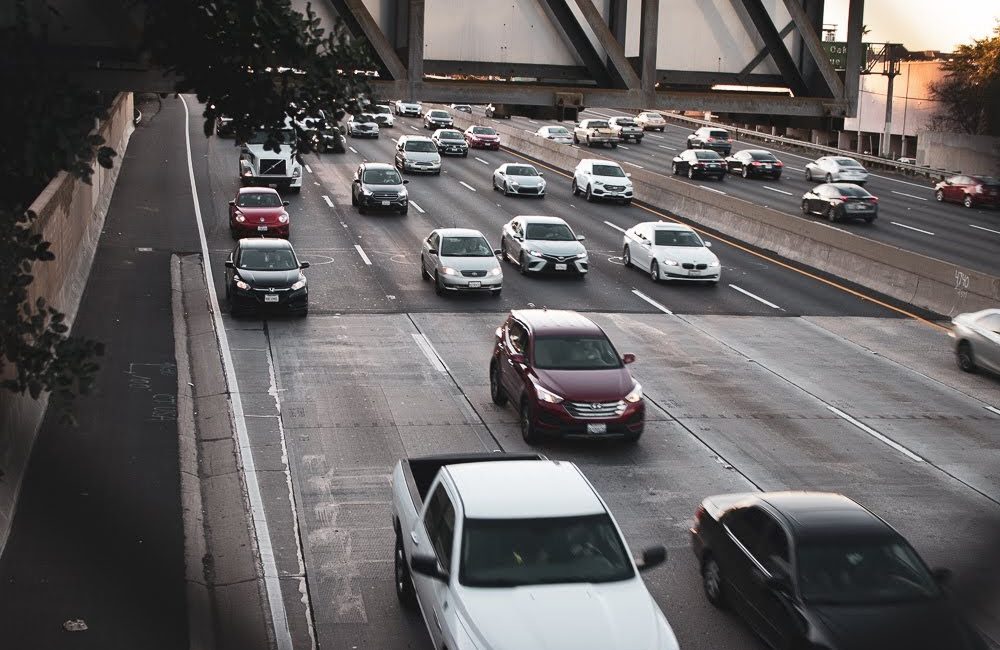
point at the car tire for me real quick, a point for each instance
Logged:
(965, 357)
(614, 145)
(424, 275)
(869, 220)
(627, 257)
(809, 174)
(361, 208)
(438, 289)
(712, 582)
(404, 581)
(831, 214)
(805, 207)
(503, 250)
(576, 140)
(967, 201)
(661, 129)
(295, 189)
(829, 178)
(691, 173)
(526, 418)
(465, 155)
(632, 438)
(745, 173)
(673, 168)
(654, 271)
(404, 211)
(576, 190)
(495, 293)
(589, 143)
(497, 393)
(354, 199)
(626, 201)
(939, 195)
(589, 195)
(522, 264)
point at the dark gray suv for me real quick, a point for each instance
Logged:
(378, 186)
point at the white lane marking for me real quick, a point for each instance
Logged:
(621, 146)
(633, 164)
(353, 150)
(912, 196)
(419, 209)
(328, 201)
(993, 409)
(653, 135)
(798, 169)
(429, 351)
(756, 297)
(309, 169)
(618, 228)
(875, 434)
(711, 189)
(276, 601)
(361, 252)
(483, 161)
(533, 121)
(775, 189)
(663, 146)
(413, 127)
(466, 186)
(903, 225)
(652, 302)
(986, 229)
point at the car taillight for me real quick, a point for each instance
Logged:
(698, 514)
(710, 140)
(755, 164)
(700, 165)
(778, 163)
(873, 199)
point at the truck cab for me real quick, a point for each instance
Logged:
(260, 166)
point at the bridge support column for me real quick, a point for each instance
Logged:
(649, 24)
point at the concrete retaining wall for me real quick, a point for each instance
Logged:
(971, 154)
(70, 216)
(910, 277)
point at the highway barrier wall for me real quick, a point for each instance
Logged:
(915, 279)
(973, 154)
(71, 216)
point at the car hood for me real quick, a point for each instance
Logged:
(382, 188)
(527, 181)
(470, 263)
(927, 625)
(607, 385)
(266, 279)
(266, 216)
(610, 616)
(422, 156)
(373, 125)
(613, 180)
(682, 254)
(557, 248)
(452, 143)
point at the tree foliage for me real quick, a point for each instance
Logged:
(969, 94)
(258, 61)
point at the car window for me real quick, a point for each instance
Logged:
(521, 170)
(439, 520)
(990, 322)
(424, 146)
(465, 247)
(762, 155)
(853, 190)
(608, 170)
(746, 525)
(678, 238)
(705, 154)
(438, 114)
(518, 337)
(483, 130)
(259, 200)
(847, 162)
(625, 121)
(382, 109)
(771, 548)
(597, 124)
(549, 232)
(575, 353)
(721, 135)
(382, 177)
(265, 259)
(558, 130)
(987, 180)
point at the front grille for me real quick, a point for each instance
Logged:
(384, 196)
(272, 166)
(528, 190)
(595, 410)
(559, 258)
(689, 265)
(474, 274)
(614, 188)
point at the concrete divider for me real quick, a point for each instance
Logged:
(70, 215)
(915, 279)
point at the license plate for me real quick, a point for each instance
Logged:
(767, 165)
(855, 207)
(560, 267)
(274, 185)
(694, 272)
(597, 428)
(385, 202)
(712, 166)
(475, 284)
(270, 297)
(262, 228)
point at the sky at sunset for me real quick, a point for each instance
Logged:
(921, 24)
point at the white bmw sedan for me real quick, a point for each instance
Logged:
(670, 251)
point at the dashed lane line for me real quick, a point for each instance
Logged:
(912, 196)
(633, 164)
(986, 229)
(651, 301)
(466, 186)
(353, 150)
(755, 297)
(710, 189)
(418, 208)
(875, 434)
(618, 228)
(775, 189)
(483, 161)
(361, 252)
(328, 201)
(309, 169)
(903, 225)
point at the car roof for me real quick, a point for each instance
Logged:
(258, 190)
(524, 489)
(819, 515)
(459, 232)
(556, 321)
(407, 138)
(535, 218)
(667, 225)
(269, 243)
(377, 165)
(601, 161)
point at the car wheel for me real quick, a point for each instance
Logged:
(869, 219)
(506, 189)
(691, 173)
(966, 359)
(967, 201)
(576, 190)
(626, 257)
(424, 275)
(809, 174)
(654, 271)
(465, 155)
(745, 173)
(829, 178)
(939, 195)
(404, 582)
(522, 263)
(404, 211)
(438, 289)
(354, 199)
(661, 129)
(576, 140)
(529, 431)
(831, 214)
(673, 168)
(503, 249)
(361, 208)
(805, 207)
(497, 393)
(614, 145)
(632, 438)
(589, 143)
(589, 195)
(712, 582)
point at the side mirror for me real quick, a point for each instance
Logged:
(427, 565)
(230, 265)
(628, 175)
(580, 237)
(233, 202)
(541, 173)
(947, 182)
(941, 575)
(304, 265)
(285, 203)
(406, 181)
(517, 358)
(497, 252)
(432, 251)
(708, 244)
(628, 358)
(651, 557)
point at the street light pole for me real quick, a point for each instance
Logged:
(891, 70)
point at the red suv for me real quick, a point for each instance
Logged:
(970, 191)
(565, 377)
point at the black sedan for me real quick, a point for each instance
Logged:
(437, 119)
(755, 162)
(378, 186)
(699, 162)
(815, 570)
(840, 201)
(265, 275)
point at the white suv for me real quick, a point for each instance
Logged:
(602, 179)
(417, 153)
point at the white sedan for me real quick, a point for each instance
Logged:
(836, 169)
(519, 178)
(362, 126)
(670, 251)
(558, 134)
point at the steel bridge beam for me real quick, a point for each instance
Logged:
(361, 23)
(578, 40)
(611, 46)
(776, 46)
(855, 54)
(834, 87)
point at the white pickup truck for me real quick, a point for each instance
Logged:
(513, 551)
(595, 132)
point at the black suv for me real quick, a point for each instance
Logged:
(379, 186)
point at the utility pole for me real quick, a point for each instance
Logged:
(891, 67)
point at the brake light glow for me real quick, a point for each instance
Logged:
(698, 514)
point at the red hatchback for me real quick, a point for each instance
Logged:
(258, 211)
(482, 137)
(970, 191)
(565, 377)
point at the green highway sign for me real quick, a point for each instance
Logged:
(836, 51)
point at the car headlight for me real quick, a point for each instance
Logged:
(713, 263)
(513, 183)
(494, 272)
(403, 193)
(283, 217)
(635, 395)
(240, 218)
(447, 270)
(301, 283)
(667, 262)
(366, 191)
(541, 185)
(547, 395)
(534, 253)
(581, 256)
(240, 284)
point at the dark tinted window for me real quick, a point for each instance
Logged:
(259, 200)
(852, 190)
(625, 121)
(574, 353)
(521, 170)
(483, 130)
(746, 524)
(762, 156)
(705, 154)
(987, 180)
(450, 135)
(608, 170)
(847, 162)
(381, 109)
(549, 232)
(719, 135)
(382, 177)
(597, 124)
(438, 114)
(439, 520)
(259, 259)
(677, 238)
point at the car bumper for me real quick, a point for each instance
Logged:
(528, 191)
(254, 230)
(255, 300)
(718, 173)
(453, 150)
(555, 420)
(409, 112)
(430, 168)
(767, 173)
(462, 283)
(484, 145)
(372, 203)
(690, 275)
(653, 127)
(986, 200)
(631, 136)
(357, 133)
(852, 214)
(605, 193)
(551, 265)
(440, 125)
(853, 178)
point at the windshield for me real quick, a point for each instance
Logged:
(863, 572)
(420, 145)
(281, 259)
(286, 136)
(847, 162)
(465, 247)
(451, 135)
(365, 117)
(678, 238)
(762, 155)
(438, 114)
(609, 170)
(558, 550)
(549, 232)
(381, 109)
(259, 200)
(382, 177)
(721, 135)
(521, 170)
(597, 124)
(483, 130)
(575, 353)
(558, 130)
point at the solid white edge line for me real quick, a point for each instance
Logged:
(986, 229)
(466, 185)
(618, 228)
(775, 189)
(419, 209)
(903, 225)
(710, 189)
(633, 164)
(309, 169)
(361, 252)
(993, 409)
(353, 150)
(652, 302)
(912, 196)
(272, 583)
(483, 161)
(756, 297)
(875, 434)
(328, 201)
(429, 351)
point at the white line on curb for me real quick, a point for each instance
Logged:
(775, 189)
(429, 351)
(653, 135)
(466, 185)
(651, 301)
(309, 169)
(993, 409)
(912, 196)
(618, 228)
(483, 161)
(986, 229)
(903, 225)
(875, 434)
(756, 297)
(361, 252)
(353, 149)
(419, 209)
(275, 599)
(710, 189)
(328, 201)
(633, 164)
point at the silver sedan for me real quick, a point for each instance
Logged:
(460, 259)
(519, 178)
(976, 337)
